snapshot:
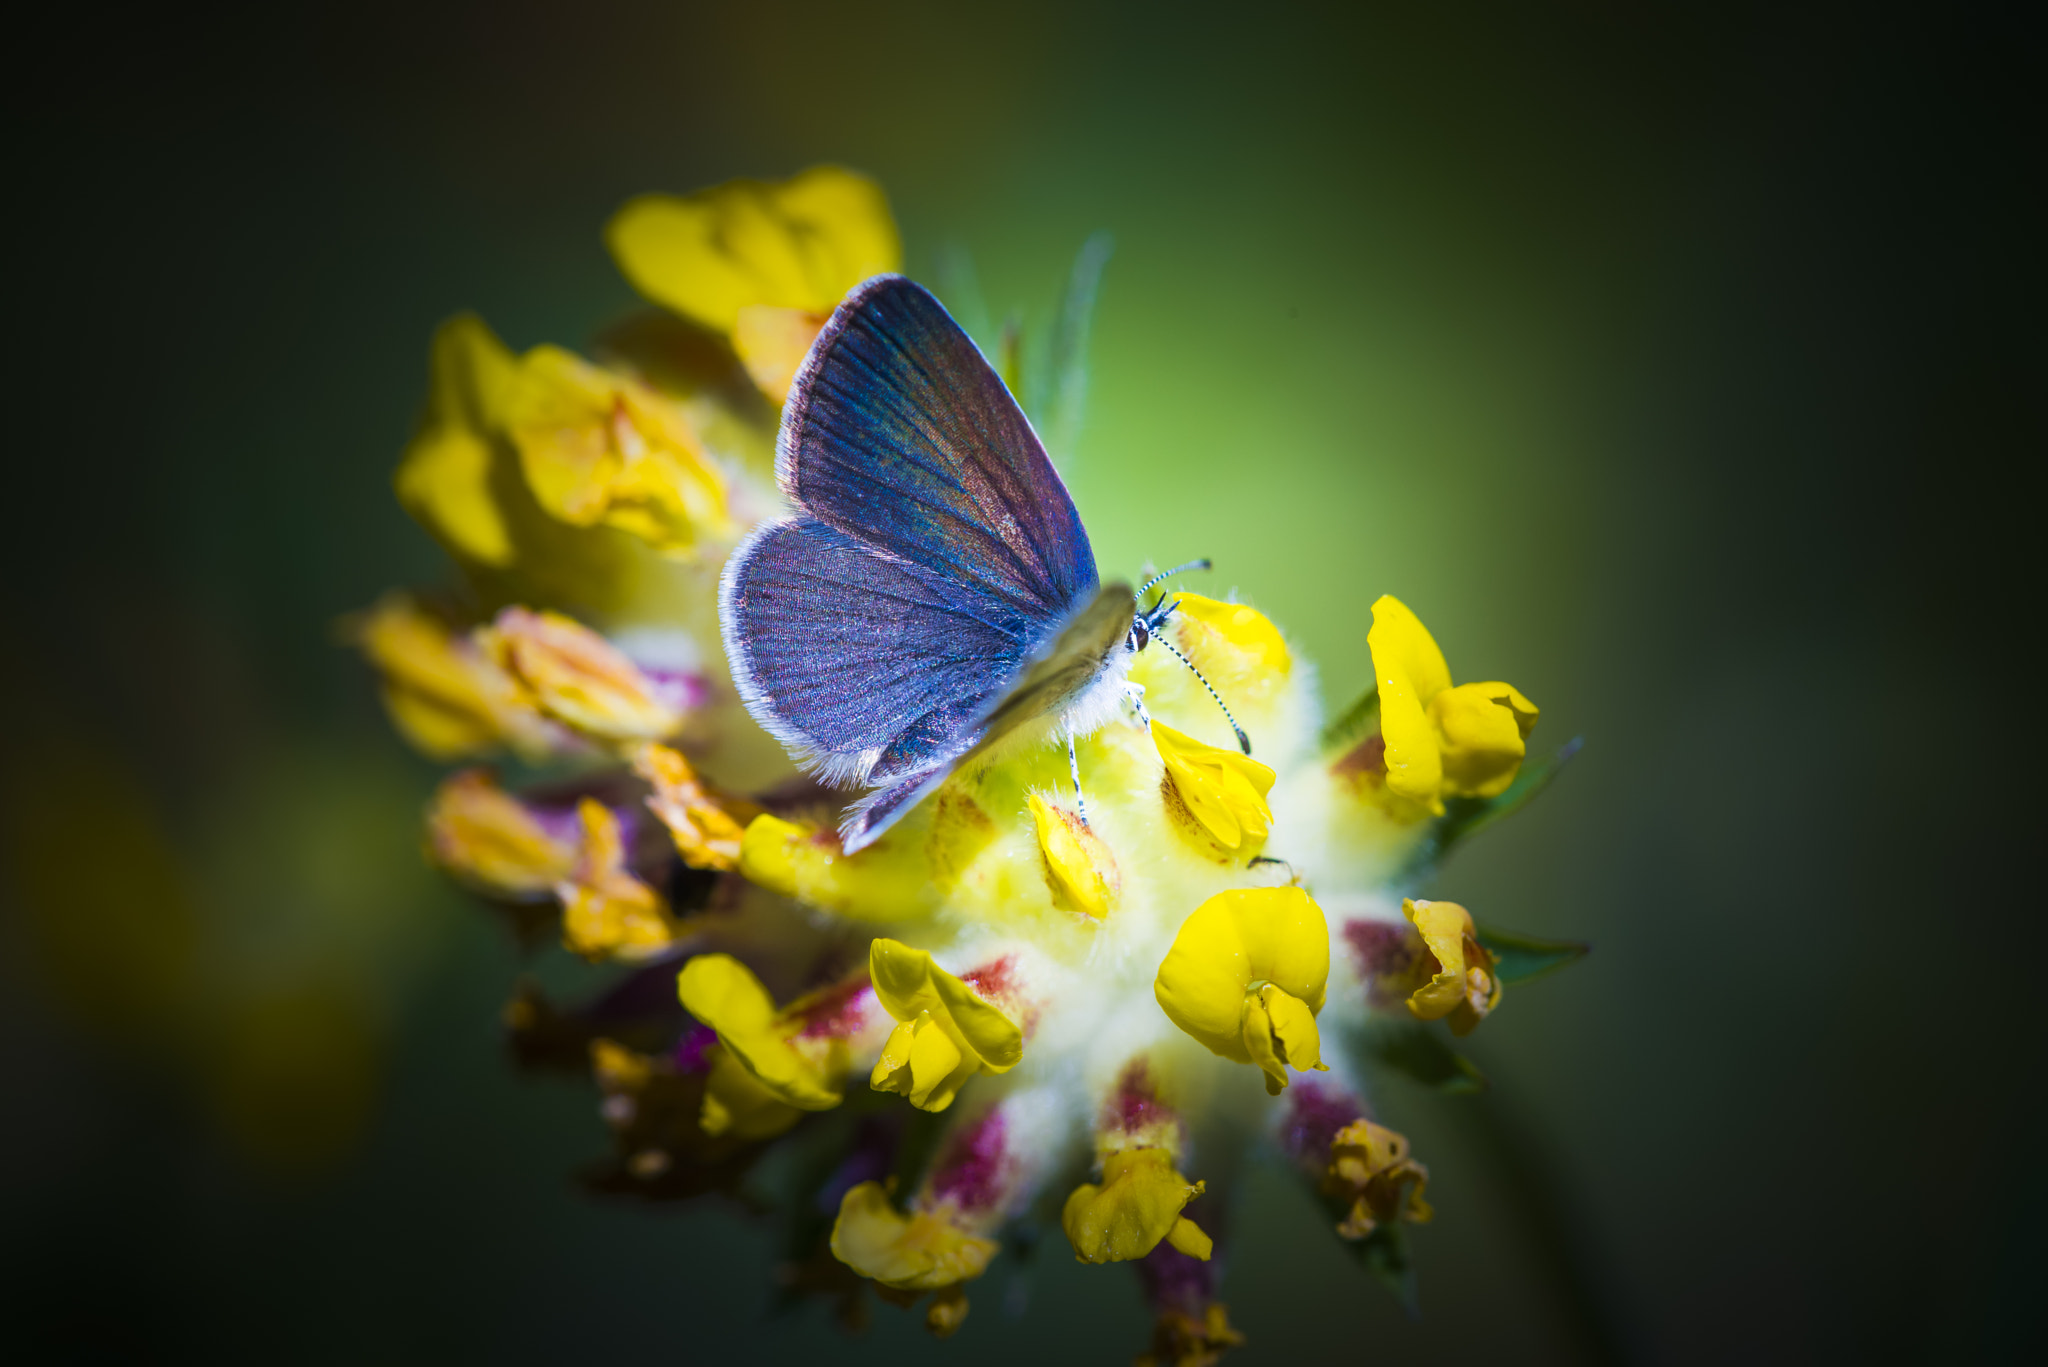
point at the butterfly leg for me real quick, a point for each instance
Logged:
(1134, 693)
(1074, 771)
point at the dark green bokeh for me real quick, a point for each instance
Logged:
(1672, 368)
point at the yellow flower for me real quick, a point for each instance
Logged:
(1138, 1204)
(1079, 869)
(738, 1104)
(601, 448)
(576, 676)
(1374, 1179)
(1441, 741)
(1180, 1339)
(887, 881)
(772, 343)
(607, 913)
(444, 480)
(1220, 795)
(1246, 976)
(488, 840)
(947, 1034)
(448, 697)
(706, 833)
(795, 244)
(1462, 984)
(919, 1251)
(723, 993)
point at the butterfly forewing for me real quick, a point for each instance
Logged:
(899, 433)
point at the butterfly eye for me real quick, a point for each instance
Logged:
(1139, 634)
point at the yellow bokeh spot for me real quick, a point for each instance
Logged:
(487, 839)
(915, 1251)
(795, 244)
(947, 1032)
(723, 993)
(1080, 871)
(1463, 986)
(600, 448)
(1246, 976)
(1138, 1204)
(1221, 793)
(772, 343)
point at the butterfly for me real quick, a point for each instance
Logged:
(934, 595)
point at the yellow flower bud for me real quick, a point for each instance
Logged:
(1138, 1204)
(1236, 647)
(1482, 729)
(795, 244)
(607, 913)
(947, 1035)
(1080, 871)
(707, 834)
(482, 835)
(890, 880)
(1462, 984)
(604, 449)
(448, 697)
(1245, 977)
(1219, 794)
(444, 481)
(919, 1251)
(577, 677)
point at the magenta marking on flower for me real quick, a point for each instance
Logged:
(1385, 949)
(1176, 1281)
(838, 1012)
(692, 1050)
(971, 1172)
(1369, 756)
(1134, 1105)
(1316, 1110)
(995, 979)
(679, 690)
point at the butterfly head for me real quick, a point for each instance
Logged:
(1145, 624)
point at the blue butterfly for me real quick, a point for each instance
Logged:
(934, 595)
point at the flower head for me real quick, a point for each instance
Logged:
(1071, 1000)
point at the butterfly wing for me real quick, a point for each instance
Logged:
(898, 432)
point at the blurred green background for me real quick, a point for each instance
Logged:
(1684, 370)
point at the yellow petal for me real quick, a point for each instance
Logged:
(889, 881)
(1138, 1204)
(444, 478)
(739, 1104)
(1236, 647)
(607, 913)
(1410, 671)
(772, 343)
(723, 993)
(601, 448)
(1187, 1236)
(1482, 729)
(706, 834)
(1235, 941)
(1280, 1033)
(920, 1251)
(577, 677)
(801, 244)
(1372, 1176)
(485, 837)
(1080, 871)
(1222, 790)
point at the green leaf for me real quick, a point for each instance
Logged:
(1353, 724)
(1413, 1049)
(1519, 958)
(1384, 1253)
(1465, 817)
(1059, 392)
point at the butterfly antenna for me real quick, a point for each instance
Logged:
(1165, 575)
(1244, 742)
